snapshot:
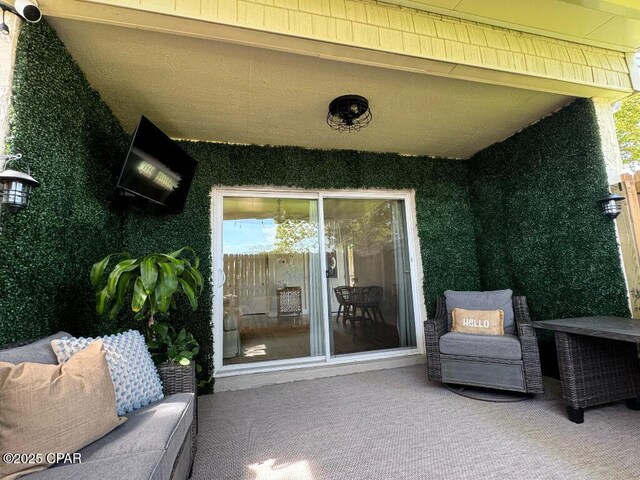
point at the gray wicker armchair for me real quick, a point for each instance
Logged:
(483, 370)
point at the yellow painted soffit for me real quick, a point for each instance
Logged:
(601, 23)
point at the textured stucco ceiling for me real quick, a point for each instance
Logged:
(207, 90)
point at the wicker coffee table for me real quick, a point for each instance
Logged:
(598, 360)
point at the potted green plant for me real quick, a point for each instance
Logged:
(152, 281)
(169, 346)
(174, 353)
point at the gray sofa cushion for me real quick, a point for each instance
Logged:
(160, 426)
(144, 447)
(39, 351)
(131, 467)
(504, 347)
(493, 300)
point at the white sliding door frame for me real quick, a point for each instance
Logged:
(217, 278)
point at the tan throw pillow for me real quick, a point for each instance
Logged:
(54, 408)
(487, 322)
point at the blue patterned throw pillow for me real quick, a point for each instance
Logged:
(134, 375)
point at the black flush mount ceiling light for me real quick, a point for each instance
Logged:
(349, 112)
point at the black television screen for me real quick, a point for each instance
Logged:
(156, 168)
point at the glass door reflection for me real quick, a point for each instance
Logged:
(368, 275)
(273, 291)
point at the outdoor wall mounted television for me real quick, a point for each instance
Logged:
(156, 168)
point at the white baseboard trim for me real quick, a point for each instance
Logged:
(242, 382)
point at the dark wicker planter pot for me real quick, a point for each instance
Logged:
(178, 378)
(181, 379)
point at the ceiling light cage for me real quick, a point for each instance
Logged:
(349, 112)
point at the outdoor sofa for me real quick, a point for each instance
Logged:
(157, 442)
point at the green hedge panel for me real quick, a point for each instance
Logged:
(75, 148)
(72, 143)
(539, 227)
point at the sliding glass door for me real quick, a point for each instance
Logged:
(368, 275)
(310, 276)
(272, 292)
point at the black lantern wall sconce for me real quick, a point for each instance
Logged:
(15, 187)
(611, 206)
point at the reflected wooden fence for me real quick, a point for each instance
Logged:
(246, 281)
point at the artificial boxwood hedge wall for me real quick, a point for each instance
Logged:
(73, 144)
(539, 228)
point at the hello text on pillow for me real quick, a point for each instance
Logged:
(486, 322)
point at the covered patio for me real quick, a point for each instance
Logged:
(494, 139)
(490, 145)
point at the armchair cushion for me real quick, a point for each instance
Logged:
(484, 322)
(492, 300)
(503, 347)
